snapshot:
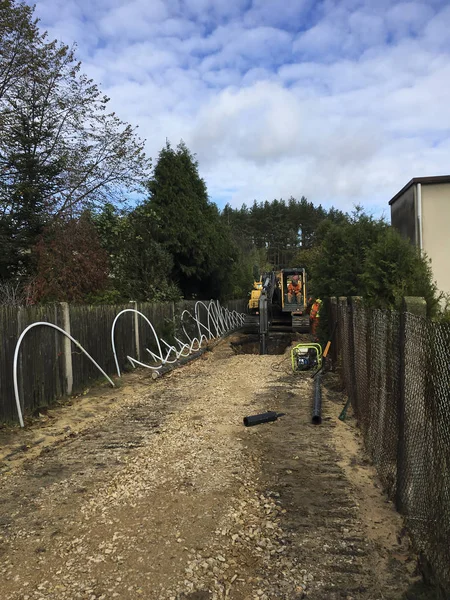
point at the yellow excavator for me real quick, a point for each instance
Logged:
(273, 304)
(253, 303)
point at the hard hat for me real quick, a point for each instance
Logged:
(319, 300)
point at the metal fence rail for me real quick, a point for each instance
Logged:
(396, 370)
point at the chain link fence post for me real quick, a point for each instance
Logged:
(412, 385)
(342, 332)
(354, 309)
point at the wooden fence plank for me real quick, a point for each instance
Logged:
(42, 365)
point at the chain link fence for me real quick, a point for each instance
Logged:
(396, 370)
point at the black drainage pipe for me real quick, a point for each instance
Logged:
(266, 417)
(317, 407)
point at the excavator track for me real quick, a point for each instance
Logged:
(300, 323)
(251, 323)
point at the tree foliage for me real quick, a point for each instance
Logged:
(340, 259)
(280, 227)
(188, 224)
(61, 151)
(18, 31)
(140, 267)
(70, 262)
(363, 256)
(393, 269)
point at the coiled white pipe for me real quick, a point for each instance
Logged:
(219, 318)
(112, 334)
(213, 320)
(219, 321)
(201, 325)
(199, 340)
(16, 355)
(135, 362)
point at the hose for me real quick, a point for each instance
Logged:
(16, 355)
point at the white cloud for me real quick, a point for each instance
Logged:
(342, 101)
(407, 18)
(131, 21)
(259, 123)
(436, 30)
(319, 40)
(287, 14)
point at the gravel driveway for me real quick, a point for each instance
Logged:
(156, 490)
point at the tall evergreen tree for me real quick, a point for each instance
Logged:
(189, 225)
(363, 256)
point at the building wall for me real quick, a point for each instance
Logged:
(403, 215)
(436, 231)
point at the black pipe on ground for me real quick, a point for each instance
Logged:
(317, 406)
(266, 417)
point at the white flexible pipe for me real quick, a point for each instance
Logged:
(220, 315)
(183, 346)
(200, 324)
(215, 318)
(218, 318)
(16, 355)
(135, 362)
(199, 341)
(112, 334)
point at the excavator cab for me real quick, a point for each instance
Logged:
(274, 303)
(293, 299)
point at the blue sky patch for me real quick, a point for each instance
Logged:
(342, 101)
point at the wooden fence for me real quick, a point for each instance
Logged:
(51, 367)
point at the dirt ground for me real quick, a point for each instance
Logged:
(156, 490)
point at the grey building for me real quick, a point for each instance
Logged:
(421, 212)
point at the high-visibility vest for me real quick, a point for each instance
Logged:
(314, 314)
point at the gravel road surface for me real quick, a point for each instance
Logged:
(156, 490)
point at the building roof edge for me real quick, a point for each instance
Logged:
(423, 180)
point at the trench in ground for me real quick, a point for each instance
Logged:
(277, 343)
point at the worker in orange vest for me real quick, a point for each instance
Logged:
(314, 315)
(294, 290)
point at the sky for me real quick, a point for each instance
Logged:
(341, 101)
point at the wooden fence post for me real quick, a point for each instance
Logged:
(173, 316)
(67, 348)
(137, 343)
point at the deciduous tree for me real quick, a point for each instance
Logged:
(60, 149)
(70, 262)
